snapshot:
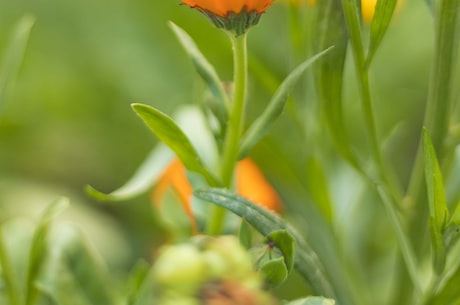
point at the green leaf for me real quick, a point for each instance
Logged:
(452, 230)
(312, 301)
(382, 17)
(39, 248)
(275, 271)
(317, 186)
(73, 274)
(448, 292)
(442, 83)
(245, 234)
(135, 280)
(354, 29)
(13, 55)
(266, 222)
(7, 264)
(142, 180)
(331, 31)
(170, 134)
(285, 242)
(202, 65)
(275, 107)
(437, 203)
(455, 219)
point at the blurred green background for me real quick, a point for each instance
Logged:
(68, 122)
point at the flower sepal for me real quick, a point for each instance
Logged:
(237, 23)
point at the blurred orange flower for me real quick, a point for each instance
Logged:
(250, 183)
(224, 7)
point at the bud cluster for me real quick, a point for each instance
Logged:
(207, 271)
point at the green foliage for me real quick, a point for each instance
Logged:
(312, 301)
(306, 262)
(383, 14)
(439, 213)
(142, 181)
(171, 135)
(204, 69)
(275, 107)
(14, 55)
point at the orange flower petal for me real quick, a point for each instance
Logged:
(252, 184)
(223, 7)
(174, 176)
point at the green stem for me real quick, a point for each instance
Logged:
(393, 196)
(235, 125)
(438, 105)
(404, 244)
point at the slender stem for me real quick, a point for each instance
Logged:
(438, 105)
(392, 196)
(404, 244)
(235, 125)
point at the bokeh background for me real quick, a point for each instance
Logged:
(68, 122)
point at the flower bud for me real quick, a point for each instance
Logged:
(180, 265)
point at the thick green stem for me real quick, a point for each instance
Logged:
(235, 126)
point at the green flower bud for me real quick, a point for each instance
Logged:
(180, 265)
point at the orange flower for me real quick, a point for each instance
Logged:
(232, 15)
(224, 7)
(250, 183)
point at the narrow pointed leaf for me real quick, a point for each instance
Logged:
(266, 222)
(382, 17)
(142, 180)
(39, 246)
(437, 203)
(275, 107)
(202, 65)
(13, 55)
(73, 274)
(170, 134)
(331, 31)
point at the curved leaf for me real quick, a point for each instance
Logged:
(266, 222)
(285, 242)
(275, 271)
(142, 180)
(170, 134)
(275, 107)
(39, 250)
